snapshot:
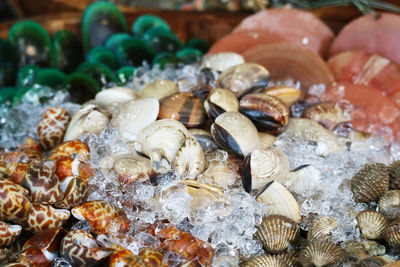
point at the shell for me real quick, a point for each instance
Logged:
(151, 256)
(311, 131)
(184, 107)
(129, 168)
(371, 223)
(275, 260)
(276, 233)
(8, 233)
(81, 249)
(287, 94)
(52, 127)
(159, 89)
(321, 254)
(89, 119)
(266, 140)
(135, 115)
(33, 257)
(326, 114)
(376, 261)
(263, 166)
(15, 171)
(67, 166)
(111, 98)
(222, 61)
(244, 78)
(204, 138)
(394, 172)
(303, 179)
(267, 112)
(392, 233)
(124, 257)
(220, 174)
(321, 229)
(73, 149)
(389, 204)
(75, 191)
(204, 192)
(370, 182)
(219, 101)
(279, 201)
(14, 203)
(235, 133)
(102, 216)
(190, 161)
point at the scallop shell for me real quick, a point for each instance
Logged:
(111, 98)
(190, 161)
(279, 201)
(287, 94)
(8, 233)
(275, 260)
(321, 229)
(392, 233)
(370, 182)
(159, 89)
(219, 101)
(326, 114)
(389, 204)
(394, 172)
(222, 61)
(14, 203)
(277, 232)
(376, 261)
(135, 115)
(371, 223)
(263, 166)
(235, 133)
(321, 254)
(244, 78)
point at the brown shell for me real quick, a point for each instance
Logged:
(392, 233)
(389, 204)
(374, 261)
(8, 234)
(73, 149)
(64, 168)
(219, 101)
(52, 127)
(321, 229)
(16, 171)
(33, 257)
(275, 260)
(321, 254)
(14, 203)
(75, 191)
(267, 112)
(124, 257)
(151, 256)
(48, 240)
(277, 232)
(288, 95)
(370, 182)
(184, 107)
(371, 224)
(394, 178)
(326, 114)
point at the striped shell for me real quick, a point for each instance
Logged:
(219, 101)
(392, 233)
(287, 94)
(14, 203)
(371, 223)
(321, 254)
(389, 204)
(321, 229)
(52, 127)
(8, 233)
(75, 191)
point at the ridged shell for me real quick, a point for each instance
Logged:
(392, 233)
(287, 94)
(159, 89)
(52, 127)
(326, 114)
(135, 115)
(75, 191)
(275, 260)
(394, 172)
(129, 168)
(267, 112)
(184, 107)
(280, 201)
(111, 98)
(222, 61)
(219, 101)
(376, 261)
(371, 223)
(263, 166)
(14, 203)
(321, 229)
(276, 233)
(8, 233)
(244, 78)
(235, 133)
(389, 204)
(370, 182)
(321, 254)
(190, 161)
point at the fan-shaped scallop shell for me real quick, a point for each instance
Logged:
(52, 127)
(389, 204)
(394, 172)
(371, 223)
(321, 254)
(392, 233)
(321, 229)
(274, 260)
(219, 101)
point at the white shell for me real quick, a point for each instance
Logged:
(129, 168)
(110, 99)
(135, 115)
(159, 89)
(222, 61)
(266, 140)
(190, 161)
(303, 180)
(220, 174)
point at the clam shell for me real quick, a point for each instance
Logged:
(371, 224)
(195, 188)
(303, 179)
(204, 138)
(275, 260)
(89, 119)
(129, 168)
(263, 166)
(220, 174)
(219, 101)
(392, 233)
(287, 94)
(267, 112)
(276, 233)
(189, 161)
(14, 203)
(8, 233)
(266, 140)
(222, 61)
(159, 89)
(279, 201)
(389, 204)
(184, 107)
(244, 78)
(321, 229)
(235, 133)
(321, 254)
(134, 116)
(394, 172)
(326, 114)
(370, 182)
(111, 98)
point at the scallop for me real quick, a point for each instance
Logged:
(289, 95)
(327, 114)
(222, 61)
(190, 161)
(275, 260)
(277, 232)
(371, 223)
(321, 229)
(159, 89)
(370, 182)
(392, 233)
(235, 133)
(263, 166)
(321, 254)
(244, 78)
(389, 204)
(111, 98)
(219, 101)
(268, 113)
(394, 172)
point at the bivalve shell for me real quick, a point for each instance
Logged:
(204, 138)
(190, 161)
(287, 94)
(327, 114)
(159, 89)
(8, 233)
(371, 224)
(392, 233)
(219, 101)
(111, 98)
(389, 204)
(222, 61)
(375, 261)
(321, 254)
(129, 168)
(303, 179)
(321, 229)
(275, 260)
(394, 172)
(266, 140)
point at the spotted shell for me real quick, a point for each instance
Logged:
(321, 229)
(152, 257)
(394, 172)
(124, 257)
(73, 149)
(371, 223)
(159, 89)
(219, 101)
(75, 191)
(8, 233)
(392, 233)
(273, 260)
(190, 161)
(276, 232)
(52, 127)
(102, 216)
(389, 204)
(370, 182)
(16, 171)
(321, 254)
(14, 203)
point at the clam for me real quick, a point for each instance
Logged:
(235, 133)
(220, 174)
(394, 178)
(279, 201)
(370, 182)
(14, 203)
(124, 257)
(129, 168)
(321, 254)
(303, 179)
(371, 223)
(184, 107)
(327, 114)
(267, 112)
(145, 22)
(266, 140)
(131, 117)
(375, 261)
(321, 229)
(311, 131)
(263, 166)
(52, 127)
(190, 161)
(277, 232)
(273, 260)
(75, 191)
(244, 78)
(8, 233)
(389, 204)
(68, 49)
(222, 61)
(288, 95)
(392, 233)
(159, 89)
(219, 101)
(74, 149)
(204, 192)
(204, 138)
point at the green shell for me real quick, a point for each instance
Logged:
(189, 55)
(162, 40)
(50, 77)
(199, 44)
(100, 21)
(147, 22)
(125, 74)
(114, 40)
(133, 52)
(100, 72)
(166, 59)
(32, 44)
(104, 55)
(8, 67)
(81, 86)
(27, 75)
(68, 49)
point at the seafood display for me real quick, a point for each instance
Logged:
(254, 156)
